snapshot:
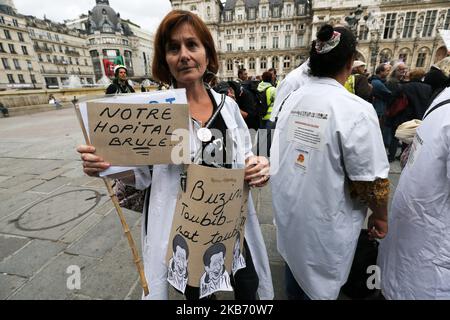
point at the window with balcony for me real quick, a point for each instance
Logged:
(32, 34)
(20, 36)
(229, 47)
(7, 34)
(49, 36)
(24, 50)
(1, 48)
(21, 78)
(11, 78)
(275, 28)
(33, 79)
(430, 21)
(409, 24)
(15, 22)
(263, 29)
(389, 25)
(6, 64)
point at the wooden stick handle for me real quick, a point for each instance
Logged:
(115, 201)
(126, 229)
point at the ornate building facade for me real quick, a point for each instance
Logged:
(260, 34)
(256, 34)
(19, 68)
(61, 53)
(390, 30)
(112, 40)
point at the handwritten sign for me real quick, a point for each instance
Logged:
(210, 218)
(136, 134)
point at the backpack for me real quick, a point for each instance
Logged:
(260, 98)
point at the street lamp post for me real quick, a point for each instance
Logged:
(353, 19)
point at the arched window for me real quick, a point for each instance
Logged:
(229, 65)
(251, 64)
(275, 62)
(263, 63)
(287, 62)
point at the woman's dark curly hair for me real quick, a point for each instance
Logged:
(331, 63)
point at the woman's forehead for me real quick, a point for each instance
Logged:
(184, 30)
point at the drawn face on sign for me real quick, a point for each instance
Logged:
(216, 267)
(186, 56)
(180, 261)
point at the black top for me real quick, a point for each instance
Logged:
(116, 87)
(215, 151)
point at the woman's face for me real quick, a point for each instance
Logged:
(186, 56)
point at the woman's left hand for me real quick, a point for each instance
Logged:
(257, 171)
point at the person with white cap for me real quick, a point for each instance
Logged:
(358, 83)
(120, 83)
(328, 167)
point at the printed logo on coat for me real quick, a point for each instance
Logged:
(302, 160)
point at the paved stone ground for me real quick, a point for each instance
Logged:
(53, 217)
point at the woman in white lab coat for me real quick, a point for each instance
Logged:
(415, 257)
(328, 164)
(184, 52)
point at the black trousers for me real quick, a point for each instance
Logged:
(245, 282)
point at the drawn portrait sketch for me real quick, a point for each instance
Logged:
(215, 278)
(177, 274)
(238, 258)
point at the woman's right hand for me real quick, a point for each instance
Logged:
(92, 164)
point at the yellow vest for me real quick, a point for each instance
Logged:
(350, 84)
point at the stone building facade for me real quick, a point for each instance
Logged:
(19, 68)
(256, 34)
(62, 53)
(390, 30)
(112, 40)
(260, 34)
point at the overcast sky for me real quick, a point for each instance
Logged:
(148, 14)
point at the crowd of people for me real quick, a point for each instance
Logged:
(328, 165)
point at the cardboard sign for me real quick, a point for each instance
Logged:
(136, 134)
(207, 234)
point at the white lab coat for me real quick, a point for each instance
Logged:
(318, 224)
(294, 80)
(165, 183)
(415, 256)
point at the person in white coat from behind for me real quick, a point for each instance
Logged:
(184, 52)
(328, 165)
(415, 257)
